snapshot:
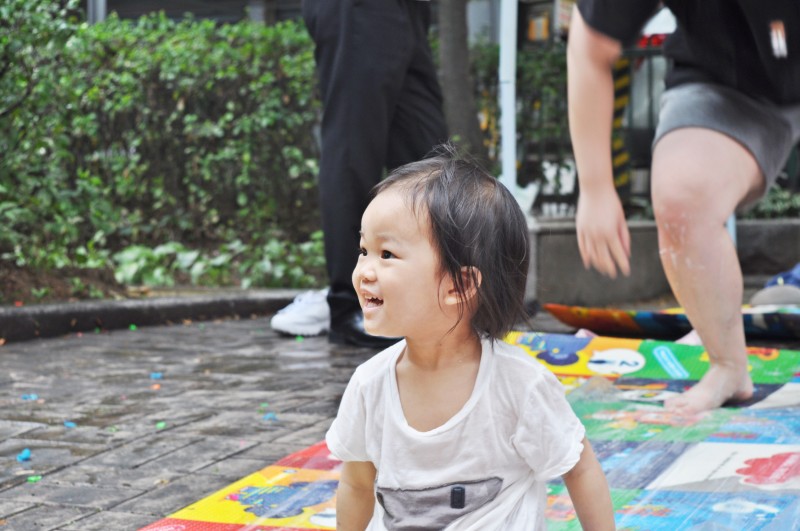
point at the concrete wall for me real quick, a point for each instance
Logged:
(557, 274)
(766, 247)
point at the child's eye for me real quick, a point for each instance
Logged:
(386, 255)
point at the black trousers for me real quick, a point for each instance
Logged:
(382, 108)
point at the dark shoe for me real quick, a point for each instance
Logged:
(350, 331)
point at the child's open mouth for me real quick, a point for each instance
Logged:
(373, 302)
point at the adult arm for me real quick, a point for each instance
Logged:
(355, 497)
(589, 492)
(603, 237)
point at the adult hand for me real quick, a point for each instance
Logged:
(603, 237)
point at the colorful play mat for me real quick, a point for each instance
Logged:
(767, 322)
(728, 469)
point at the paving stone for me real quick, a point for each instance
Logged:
(47, 493)
(199, 455)
(174, 496)
(237, 467)
(9, 508)
(45, 518)
(108, 521)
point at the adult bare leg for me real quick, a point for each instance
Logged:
(699, 178)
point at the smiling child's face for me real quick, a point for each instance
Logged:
(397, 277)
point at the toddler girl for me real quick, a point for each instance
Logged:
(451, 428)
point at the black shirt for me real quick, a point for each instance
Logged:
(749, 45)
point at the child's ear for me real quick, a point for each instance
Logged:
(471, 280)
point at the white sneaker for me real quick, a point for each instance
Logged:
(307, 315)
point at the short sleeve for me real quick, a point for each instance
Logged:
(549, 435)
(622, 20)
(346, 437)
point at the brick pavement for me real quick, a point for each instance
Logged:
(119, 468)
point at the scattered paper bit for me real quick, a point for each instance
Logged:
(2, 341)
(79, 334)
(69, 424)
(24, 455)
(18, 303)
(156, 375)
(299, 339)
(155, 387)
(30, 397)
(34, 479)
(270, 416)
(113, 429)
(161, 425)
(234, 496)
(132, 327)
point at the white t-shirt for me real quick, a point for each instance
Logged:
(486, 468)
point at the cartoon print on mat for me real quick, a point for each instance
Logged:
(616, 361)
(285, 501)
(555, 349)
(776, 472)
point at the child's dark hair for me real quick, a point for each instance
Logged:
(475, 221)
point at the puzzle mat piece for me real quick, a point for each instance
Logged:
(570, 356)
(638, 444)
(774, 322)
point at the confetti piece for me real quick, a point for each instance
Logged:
(24, 455)
(270, 416)
(132, 327)
(96, 330)
(155, 387)
(34, 479)
(264, 404)
(233, 497)
(161, 425)
(79, 334)
(30, 397)
(69, 424)
(113, 429)
(2, 341)
(299, 339)
(156, 375)
(18, 303)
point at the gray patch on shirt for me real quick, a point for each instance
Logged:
(434, 508)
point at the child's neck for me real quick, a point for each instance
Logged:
(435, 379)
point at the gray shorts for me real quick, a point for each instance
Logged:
(766, 130)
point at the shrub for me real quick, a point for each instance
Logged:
(153, 131)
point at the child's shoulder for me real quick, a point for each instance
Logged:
(515, 362)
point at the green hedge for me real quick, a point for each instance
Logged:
(141, 133)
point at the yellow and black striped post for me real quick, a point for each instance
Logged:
(620, 157)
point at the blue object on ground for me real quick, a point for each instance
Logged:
(791, 278)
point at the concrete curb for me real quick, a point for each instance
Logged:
(49, 320)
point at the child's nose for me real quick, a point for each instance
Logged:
(364, 271)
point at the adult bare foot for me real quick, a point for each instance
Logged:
(716, 387)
